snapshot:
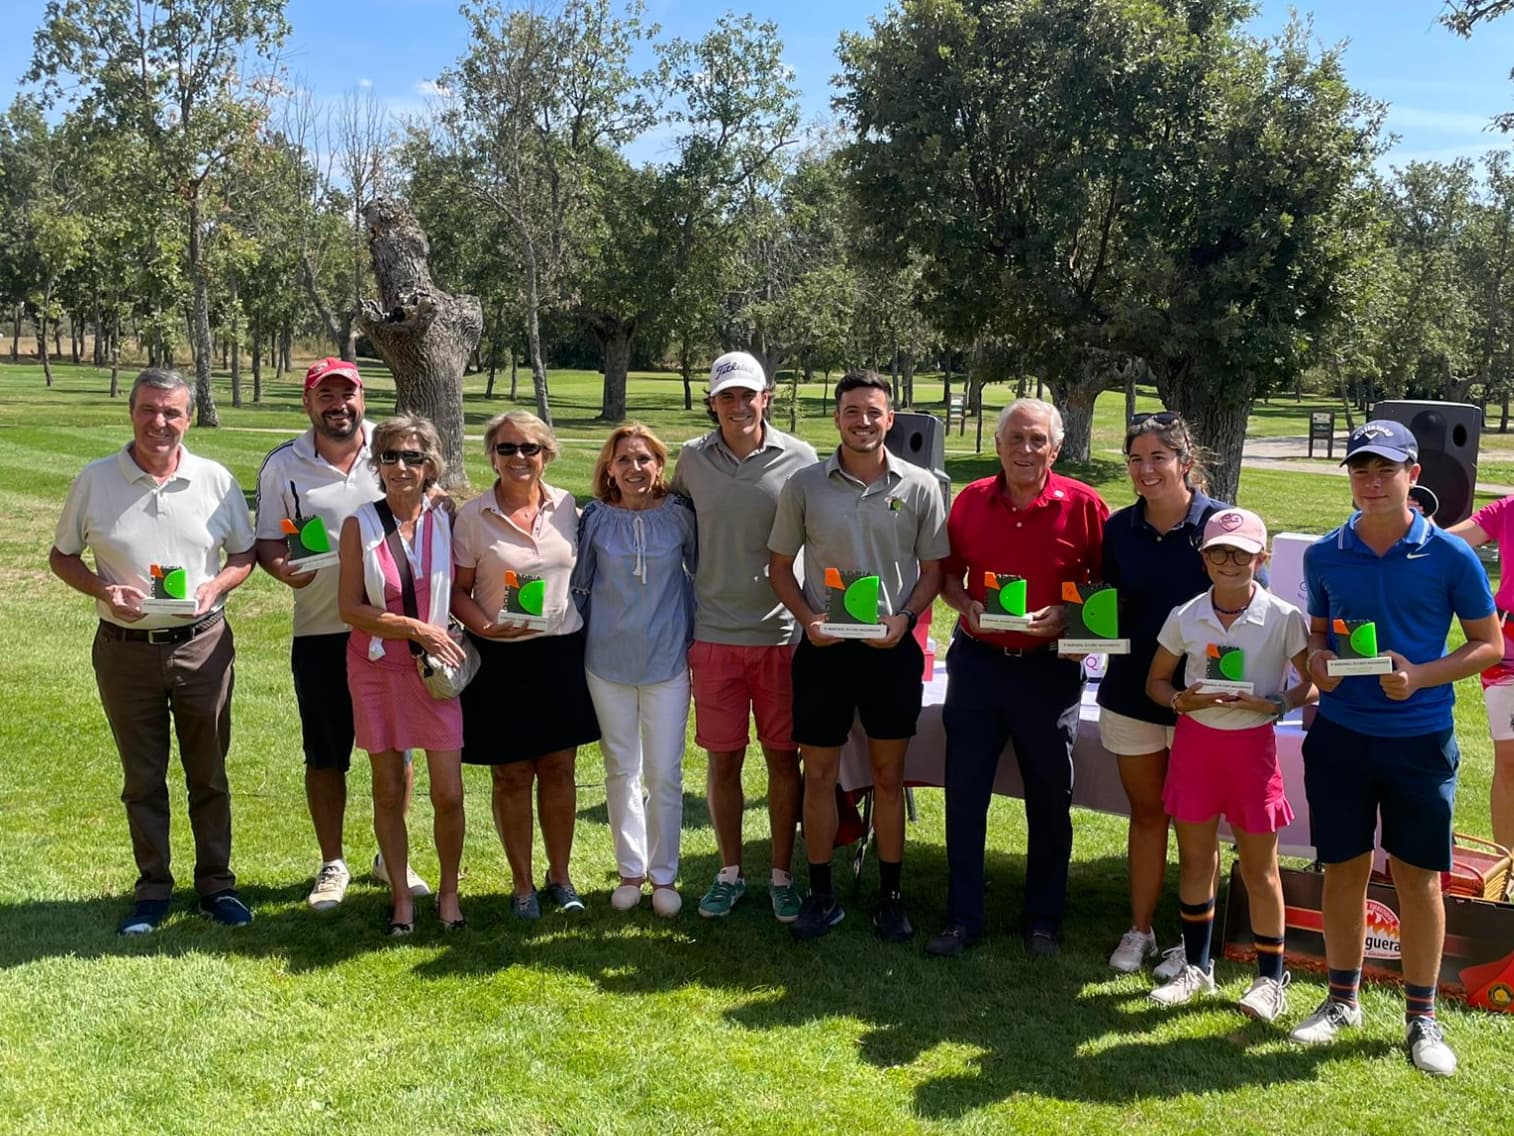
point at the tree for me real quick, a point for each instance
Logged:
(175, 71)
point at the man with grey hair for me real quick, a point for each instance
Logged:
(1030, 524)
(157, 521)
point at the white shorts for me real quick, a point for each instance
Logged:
(1499, 699)
(1130, 737)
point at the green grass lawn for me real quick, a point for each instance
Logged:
(307, 1023)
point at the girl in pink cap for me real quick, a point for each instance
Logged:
(1237, 639)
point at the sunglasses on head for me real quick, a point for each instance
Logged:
(411, 458)
(524, 449)
(1160, 417)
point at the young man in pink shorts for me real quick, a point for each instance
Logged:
(743, 637)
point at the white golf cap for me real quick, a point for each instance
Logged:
(737, 369)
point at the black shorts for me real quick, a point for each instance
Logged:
(832, 685)
(529, 698)
(319, 663)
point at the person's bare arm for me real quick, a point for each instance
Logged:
(124, 601)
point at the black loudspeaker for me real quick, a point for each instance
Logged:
(921, 439)
(1447, 433)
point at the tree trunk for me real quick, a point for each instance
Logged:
(75, 339)
(893, 373)
(794, 400)
(495, 332)
(616, 336)
(514, 373)
(343, 332)
(236, 349)
(115, 356)
(286, 346)
(686, 369)
(946, 385)
(533, 334)
(1130, 397)
(424, 334)
(1075, 397)
(255, 332)
(825, 392)
(204, 351)
(16, 333)
(1503, 419)
(101, 335)
(907, 378)
(1217, 418)
(47, 370)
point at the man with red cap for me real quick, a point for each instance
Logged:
(307, 487)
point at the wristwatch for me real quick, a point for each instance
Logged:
(911, 618)
(1279, 700)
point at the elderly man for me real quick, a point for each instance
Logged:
(324, 475)
(1003, 686)
(743, 639)
(157, 521)
(860, 510)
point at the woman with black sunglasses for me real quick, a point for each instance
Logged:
(528, 710)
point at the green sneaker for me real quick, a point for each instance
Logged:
(786, 902)
(721, 897)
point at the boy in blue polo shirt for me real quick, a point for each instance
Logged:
(1385, 743)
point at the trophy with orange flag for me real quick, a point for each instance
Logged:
(170, 592)
(1093, 621)
(1004, 603)
(1356, 649)
(851, 605)
(308, 540)
(1225, 671)
(525, 601)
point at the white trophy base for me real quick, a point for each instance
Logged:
(1376, 665)
(319, 560)
(854, 630)
(170, 607)
(1226, 686)
(993, 621)
(1093, 646)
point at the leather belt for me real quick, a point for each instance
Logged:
(160, 635)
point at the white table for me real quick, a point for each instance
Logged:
(1096, 776)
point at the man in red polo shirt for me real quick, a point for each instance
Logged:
(1011, 685)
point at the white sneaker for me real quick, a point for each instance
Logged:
(666, 902)
(1328, 1019)
(625, 897)
(330, 885)
(1267, 998)
(418, 886)
(1426, 1043)
(1187, 986)
(1174, 959)
(1134, 949)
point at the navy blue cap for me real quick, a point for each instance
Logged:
(1391, 440)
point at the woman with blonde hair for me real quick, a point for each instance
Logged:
(402, 543)
(634, 581)
(528, 710)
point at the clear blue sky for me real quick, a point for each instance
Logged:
(1442, 89)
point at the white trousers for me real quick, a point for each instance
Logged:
(642, 731)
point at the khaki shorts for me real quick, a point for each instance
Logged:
(1130, 737)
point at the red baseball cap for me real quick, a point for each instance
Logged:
(329, 366)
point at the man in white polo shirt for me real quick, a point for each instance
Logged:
(743, 637)
(153, 512)
(322, 475)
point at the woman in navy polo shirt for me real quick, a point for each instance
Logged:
(1151, 554)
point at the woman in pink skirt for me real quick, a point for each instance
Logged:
(404, 533)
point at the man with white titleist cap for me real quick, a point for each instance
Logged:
(743, 637)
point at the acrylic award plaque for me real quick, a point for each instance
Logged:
(525, 601)
(1223, 671)
(851, 606)
(1093, 621)
(309, 543)
(170, 592)
(1004, 603)
(1356, 650)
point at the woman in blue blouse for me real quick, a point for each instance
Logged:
(634, 582)
(1151, 555)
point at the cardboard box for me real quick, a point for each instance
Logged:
(1477, 966)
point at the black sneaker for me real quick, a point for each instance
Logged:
(144, 917)
(817, 915)
(226, 908)
(950, 941)
(564, 895)
(891, 923)
(1041, 943)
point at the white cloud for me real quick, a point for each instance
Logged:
(365, 82)
(431, 88)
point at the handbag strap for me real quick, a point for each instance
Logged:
(401, 564)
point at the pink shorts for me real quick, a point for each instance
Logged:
(733, 684)
(1231, 772)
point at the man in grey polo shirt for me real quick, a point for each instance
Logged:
(322, 475)
(863, 510)
(743, 638)
(155, 512)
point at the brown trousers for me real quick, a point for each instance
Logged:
(141, 686)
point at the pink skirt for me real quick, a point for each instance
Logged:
(392, 711)
(1230, 773)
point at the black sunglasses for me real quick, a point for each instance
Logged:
(524, 449)
(1160, 417)
(412, 458)
(1221, 553)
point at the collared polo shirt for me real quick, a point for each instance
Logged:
(1057, 538)
(1154, 573)
(1411, 592)
(1269, 633)
(295, 474)
(735, 500)
(887, 527)
(489, 542)
(129, 522)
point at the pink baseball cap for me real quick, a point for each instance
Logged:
(329, 366)
(1238, 528)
